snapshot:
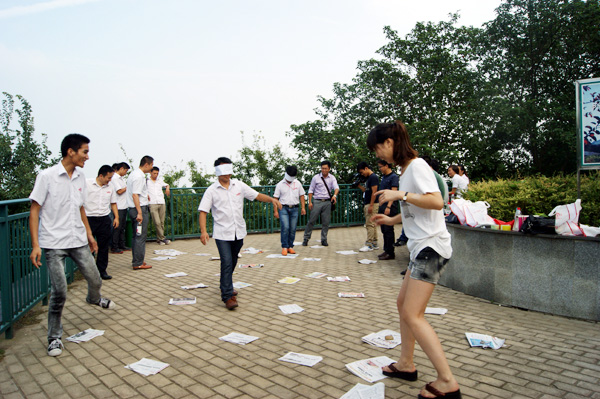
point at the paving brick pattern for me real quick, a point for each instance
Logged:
(546, 357)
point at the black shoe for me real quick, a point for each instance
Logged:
(106, 276)
(400, 243)
(304, 243)
(324, 243)
(404, 272)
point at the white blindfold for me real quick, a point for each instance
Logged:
(224, 169)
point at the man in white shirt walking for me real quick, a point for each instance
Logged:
(225, 200)
(290, 193)
(58, 224)
(101, 199)
(120, 187)
(157, 204)
(137, 202)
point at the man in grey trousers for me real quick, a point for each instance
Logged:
(322, 194)
(137, 201)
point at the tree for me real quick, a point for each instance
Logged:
(21, 156)
(259, 164)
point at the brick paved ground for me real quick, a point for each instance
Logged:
(546, 357)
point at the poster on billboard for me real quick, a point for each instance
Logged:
(588, 123)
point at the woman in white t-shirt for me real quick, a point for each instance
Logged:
(429, 246)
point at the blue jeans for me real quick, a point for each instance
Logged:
(228, 252)
(289, 220)
(55, 259)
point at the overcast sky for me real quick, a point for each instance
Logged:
(180, 79)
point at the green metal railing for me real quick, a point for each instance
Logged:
(22, 285)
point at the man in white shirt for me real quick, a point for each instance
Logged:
(225, 200)
(290, 193)
(101, 199)
(57, 223)
(459, 185)
(157, 204)
(137, 202)
(120, 187)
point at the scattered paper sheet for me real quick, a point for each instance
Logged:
(164, 257)
(316, 246)
(215, 258)
(338, 278)
(191, 287)
(147, 366)
(387, 339)
(312, 259)
(297, 243)
(169, 252)
(178, 274)
(436, 310)
(351, 294)
(182, 301)
(251, 266)
(316, 275)
(365, 249)
(237, 338)
(288, 256)
(201, 254)
(252, 251)
(289, 309)
(362, 391)
(367, 261)
(484, 341)
(288, 280)
(370, 369)
(239, 284)
(351, 252)
(300, 358)
(85, 335)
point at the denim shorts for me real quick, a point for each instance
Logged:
(428, 266)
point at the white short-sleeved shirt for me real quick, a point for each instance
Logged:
(61, 199)
(289, 193)
(460, 184)
(155, 191)
(423, 227)
(118, 184)
(136, 184)
(98, 199)
(227, 206)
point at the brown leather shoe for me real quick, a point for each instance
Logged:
(231, 303)
(381, 254)
(284, 251)
(140, 267)
(235, 293)
(386, 256)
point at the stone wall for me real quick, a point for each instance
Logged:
(548, 273)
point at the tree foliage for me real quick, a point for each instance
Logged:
(498, 99)
(21, 156)
(260, 165)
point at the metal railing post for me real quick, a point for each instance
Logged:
(5, 272)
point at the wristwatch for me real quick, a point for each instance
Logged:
(405, 196)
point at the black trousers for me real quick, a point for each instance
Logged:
(118, 234)
(388, 232)
(100, 226)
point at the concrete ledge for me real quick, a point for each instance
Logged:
(548, 273)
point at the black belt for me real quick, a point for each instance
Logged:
(291, 206)
(322, 200)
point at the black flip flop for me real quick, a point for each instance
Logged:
(438, 394)
(405, 375)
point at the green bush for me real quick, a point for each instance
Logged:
(539, 195)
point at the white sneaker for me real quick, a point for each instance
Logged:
(55, 347)
(166, 241)
(366, 248)
(106, 303)
(160, 242)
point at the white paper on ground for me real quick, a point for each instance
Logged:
(288, 256)
(85, 335)
(378, 339)
(362, 391)
(164, 257)
(297, 243)
(370, 369)
(169, 252)
(147, 366)
(289, 309)
(312, 259)
(351, 294)
(300, 358)
(485, 341)
(201, 254)
(338, 278)
(367, 261)
(316, 275)
(182, 301)
(350, 252)
(191, 287)
(239, 284)
(436, 310)
(288, 280)
(252, 251)
(237, 338)
(178, 274)
(251, 265)
(316, 246)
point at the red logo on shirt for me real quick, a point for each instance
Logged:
(238, 194)
(79, 188)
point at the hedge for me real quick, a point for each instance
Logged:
(539, 195)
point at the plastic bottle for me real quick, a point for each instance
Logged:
(138, 230)
(516, 224)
